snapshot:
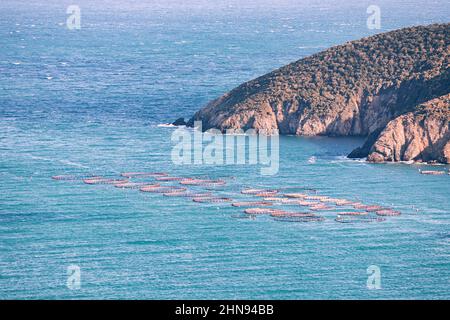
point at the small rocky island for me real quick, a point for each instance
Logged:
(392, 88)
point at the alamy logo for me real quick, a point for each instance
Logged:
(235, 147)
(374, 20)
(73, 277)
(74, 20)
(374, 279)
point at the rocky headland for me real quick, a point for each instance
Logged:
(392, 87)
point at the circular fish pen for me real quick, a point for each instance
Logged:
(432, 172)
(261, 192)
(187, 194)
(259, 211)
(212, 200)
(266, 193)
(282, 213)
(343, 202)
(131, 185)
(320, 198)
(353, 213)
(157, 188)
(212, 183)
(305, 203)
(388, 213)
(330, 200)
(373, 208)
(162, 179)
(100, 180)
(251, 203)
(300, 219)
(73, 177)
(361, 219)
(274, 199)
(296, 195)
(161, 189)
(319, 206)
(202, 182)
(290, 201)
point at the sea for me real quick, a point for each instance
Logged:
(93, 98)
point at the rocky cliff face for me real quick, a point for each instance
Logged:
(353, 89)
(422, 135)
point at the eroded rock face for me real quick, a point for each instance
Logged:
(353, 89)
(422, 135)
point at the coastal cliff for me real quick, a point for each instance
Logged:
(355, 89)
(422, 135)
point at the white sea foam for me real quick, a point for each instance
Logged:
(166, 125)
(312, 160)
(73, 164)
(345, 159)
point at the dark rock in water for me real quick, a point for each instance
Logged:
(363, 152)
(354, 89)
(179, 122)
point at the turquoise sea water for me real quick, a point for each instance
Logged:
(90, 101)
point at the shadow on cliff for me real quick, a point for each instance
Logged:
(408, 95)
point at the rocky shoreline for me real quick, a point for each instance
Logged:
(392, 87)
(422, 135)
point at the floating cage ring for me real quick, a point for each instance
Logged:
(251, 203)
(388, 212)
(131, 185)
(353, 213)
(300, 219)
(202, 182)
(161, 189)
(261, 192)
(295, 201)
(292, 214)
(212, 183)
(149, 187)
(305, 203)
(274, 199)
(71, 177)
(344, 202)
(104, 181)
(191, 181)
(330, 200)
(432, 172)
(251, 191)
(296, 195)
(261, 211)
(360, 206)
(320, 207)
(186, 194)
(266, 193)
(373, 208)
(320, 198)
(211, 200)
(169, 179)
